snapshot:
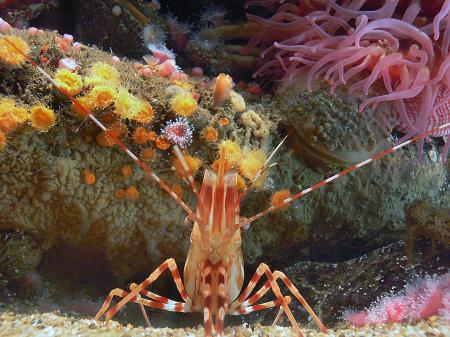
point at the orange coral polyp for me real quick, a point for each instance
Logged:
(131, 193)
(279, 196)
(147, 153)
(82, 108)
(11, 115)
(89, 177)
(140, 136)
(162, 144)
(178, 190)
(7, 124)
(145, 114)
(120, 193)
(117, 130)
(101, 96)
(224, 121)
(222, 89)
(127, 171)
(210, 134)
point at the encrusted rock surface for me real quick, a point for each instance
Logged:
(330, 288)
(42, 192)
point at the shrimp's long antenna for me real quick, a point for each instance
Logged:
(341, 174)
(88, 113)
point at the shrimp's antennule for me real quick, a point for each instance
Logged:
(87, 112)
(186, 169)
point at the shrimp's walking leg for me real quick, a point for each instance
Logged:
(264, 269)
(168, 305)
(169, 263)
(207, 303)
(293, 289)
(261, 306)
(241, 305)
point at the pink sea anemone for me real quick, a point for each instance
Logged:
(423, 298)
(397, 52)
(179, 132)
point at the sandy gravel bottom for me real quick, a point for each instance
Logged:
(55, 324)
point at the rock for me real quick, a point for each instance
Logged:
(330, 288)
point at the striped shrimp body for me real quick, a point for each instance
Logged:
(214, 269)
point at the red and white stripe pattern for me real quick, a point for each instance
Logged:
(242, 305)
(186, 169)
(214, 298)
(158, 302)
(218, 206)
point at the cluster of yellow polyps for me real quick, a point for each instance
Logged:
(13, 114)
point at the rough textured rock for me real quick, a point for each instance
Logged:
(330, 288)
(95, 23)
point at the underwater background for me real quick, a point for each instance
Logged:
(342, 80)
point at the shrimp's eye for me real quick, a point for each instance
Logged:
(189, 221)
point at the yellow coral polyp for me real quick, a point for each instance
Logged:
(20, 115)
(42, 118)
(233, 152)
(194, 163)
(145, 114)
(252, 162)
(127, 106)
(240, 182)
(11, 115)
(13, 50)
(102, 96)
(102, 73)
(69, 82)
(184, 104)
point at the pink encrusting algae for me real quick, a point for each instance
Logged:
(347, 45)
(423, 298)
